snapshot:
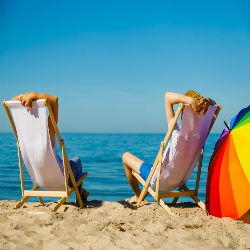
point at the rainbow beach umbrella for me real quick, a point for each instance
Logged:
(228, 182)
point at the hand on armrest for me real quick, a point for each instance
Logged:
(27, 99)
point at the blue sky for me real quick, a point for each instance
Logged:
(110, 62)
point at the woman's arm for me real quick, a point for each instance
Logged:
(175, 98)
(17, 98)
(27, 99)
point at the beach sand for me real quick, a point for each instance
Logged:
(116, 225)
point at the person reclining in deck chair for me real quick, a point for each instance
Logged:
(75, 163)
(198, 103)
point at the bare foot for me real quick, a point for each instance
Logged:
(133, 199)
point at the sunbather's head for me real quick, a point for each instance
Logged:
(205, 100)
(193, 94)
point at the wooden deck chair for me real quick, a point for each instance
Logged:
(193, 124)
(34, 147)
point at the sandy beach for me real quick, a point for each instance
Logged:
(117, 225)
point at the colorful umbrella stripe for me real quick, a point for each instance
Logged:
(228, 184)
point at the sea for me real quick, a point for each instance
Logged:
(101, 156)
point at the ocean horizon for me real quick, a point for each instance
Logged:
(101, 156)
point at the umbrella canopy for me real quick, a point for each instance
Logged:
(228, 183)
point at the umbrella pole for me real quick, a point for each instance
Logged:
(227, 126)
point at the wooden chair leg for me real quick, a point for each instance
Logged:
(41, 200)
(144, 191)
(20, 203)
(60, 202)
(142, 197)
(176, 198)
(195, 198)
(78, 196)
(165, 207)
(25, 198)
(199, 202)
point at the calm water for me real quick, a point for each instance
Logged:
(101, 157)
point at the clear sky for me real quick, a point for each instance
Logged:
(110, 62)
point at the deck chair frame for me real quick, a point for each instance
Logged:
(26, 194)
(183, 190)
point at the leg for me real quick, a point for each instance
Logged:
(131, 162)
